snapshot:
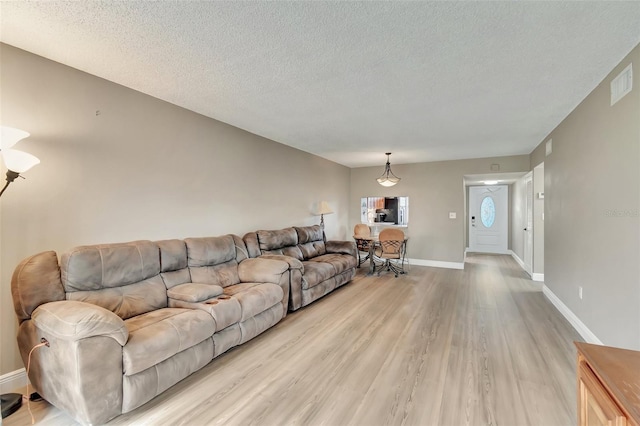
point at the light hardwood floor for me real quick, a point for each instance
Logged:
(481, 346)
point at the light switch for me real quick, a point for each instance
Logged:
(452, 215)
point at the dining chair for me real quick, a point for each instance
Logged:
(391, 251)
(362, 233)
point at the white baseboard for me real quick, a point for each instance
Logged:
(537, 277)
(437, 263)
(582, 329)
(14, 380)
(534, 276)
(517, 259)
(468, 250)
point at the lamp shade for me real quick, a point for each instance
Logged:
(323, 208)
(388, 178)
(18, 161)
(388, 181)
(10, 136)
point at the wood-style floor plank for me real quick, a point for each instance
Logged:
(481, 346)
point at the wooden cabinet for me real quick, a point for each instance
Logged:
(608, 386)
(596, 406)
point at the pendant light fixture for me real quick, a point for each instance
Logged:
(388, 178)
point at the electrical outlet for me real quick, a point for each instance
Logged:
(580, 292)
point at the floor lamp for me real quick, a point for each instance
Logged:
(323, 208)
(16, 162)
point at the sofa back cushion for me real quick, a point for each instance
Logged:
(35, 281)
(213, 260)
(123, 278)
(242, 252)
(174, 268)
(311, 241)
(251, 243)
(282, 241)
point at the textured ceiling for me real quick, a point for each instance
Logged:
(348, 80)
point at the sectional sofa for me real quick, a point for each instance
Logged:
(124, 322)
(316, 266)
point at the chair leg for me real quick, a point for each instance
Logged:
(397, 270)
(386, 266)
(361, 259)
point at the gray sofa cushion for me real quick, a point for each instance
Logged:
(311, 241)
(274, 240)
(109, 265)
(262, 270)
(173, 255)
(127, 301)
(339, 261)
(36, 280)
(316, 272)
(291, 251)
(258, 299)
(250, 240)
(158, 335)
(312, 249)
(173, 262)
(212, 260)
(209, 251)
(144, 386)
(239, 303)
(225, 310)
(308, 234)
(194, 292)
(123, 278)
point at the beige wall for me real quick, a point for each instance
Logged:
(592, 199)
(434, 190)
(141, 169)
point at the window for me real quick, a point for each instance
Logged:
(488, 212)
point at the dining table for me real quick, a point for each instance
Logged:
(374, 242)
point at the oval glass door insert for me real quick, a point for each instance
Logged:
(488, 212)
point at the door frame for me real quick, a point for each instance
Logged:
(527, 220)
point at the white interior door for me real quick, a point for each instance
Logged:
(528, 227)
(488, 218)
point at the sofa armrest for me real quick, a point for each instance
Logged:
(267, 271)
(80, 371)
(293, 289)
(291, 261)
(71, 321)
(341, 247)
(261, 270)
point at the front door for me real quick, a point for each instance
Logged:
(488, 218)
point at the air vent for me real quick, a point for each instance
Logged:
(622, 84)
